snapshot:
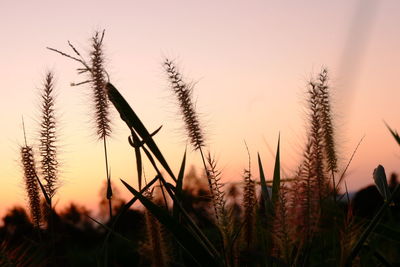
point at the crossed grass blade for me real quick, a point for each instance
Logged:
(133, 122)
(199, 251)
(370, 228)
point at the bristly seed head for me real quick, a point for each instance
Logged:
(31, 184)
(98, 78)
(326, 121)
(47, 147)
(183, 92)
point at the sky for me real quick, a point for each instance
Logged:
(250, 62)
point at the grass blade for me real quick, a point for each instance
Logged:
(179, 185)
(277, 175)
(46, 196)
(133, 122)
(394, 133)
(264, 188)
(196, 249)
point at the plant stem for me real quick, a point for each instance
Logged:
(109, 189)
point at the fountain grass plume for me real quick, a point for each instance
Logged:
(31, 181)
(281, 228)
(47, 146)
(155, 249)
(31, 184)
(98, 76)
(317, 145)
(306, 203)
(249, 202)
(98, 79)
(183, 92)
(217, 195)
(326, 121)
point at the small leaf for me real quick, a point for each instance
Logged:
(381, 182)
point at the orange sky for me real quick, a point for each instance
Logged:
(251, 59)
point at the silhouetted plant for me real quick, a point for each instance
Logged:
(48, 138)
(97, 79)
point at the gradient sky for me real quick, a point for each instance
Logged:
(251, 61)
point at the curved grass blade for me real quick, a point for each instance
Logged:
(124, 209)
(46, 196)
(132, 141)
(199, 252)
(197, 233)
(133, 122)
(394, 133)
(179, 185)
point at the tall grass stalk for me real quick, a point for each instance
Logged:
(47, 146)
(97, 78)
(249, 202)
(31, 183)
(183, 92)
(327, 126)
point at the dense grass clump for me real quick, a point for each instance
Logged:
(302, 220)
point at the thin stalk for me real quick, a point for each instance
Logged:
(109, 188)
(334, 186)
(214, 204)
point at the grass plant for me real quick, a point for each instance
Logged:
(270, 220)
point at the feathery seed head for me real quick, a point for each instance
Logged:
(98, 78)
(47, 147)
(183, 92)
(31, 184)
(281, 230)
(217, 194)
(326, 121)
(249, 201)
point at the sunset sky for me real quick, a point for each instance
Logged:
(251, 61)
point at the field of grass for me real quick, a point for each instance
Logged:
(196, 220)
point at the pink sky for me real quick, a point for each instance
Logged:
(251, 59)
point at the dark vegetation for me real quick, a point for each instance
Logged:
(78, 240)
(307, 219)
